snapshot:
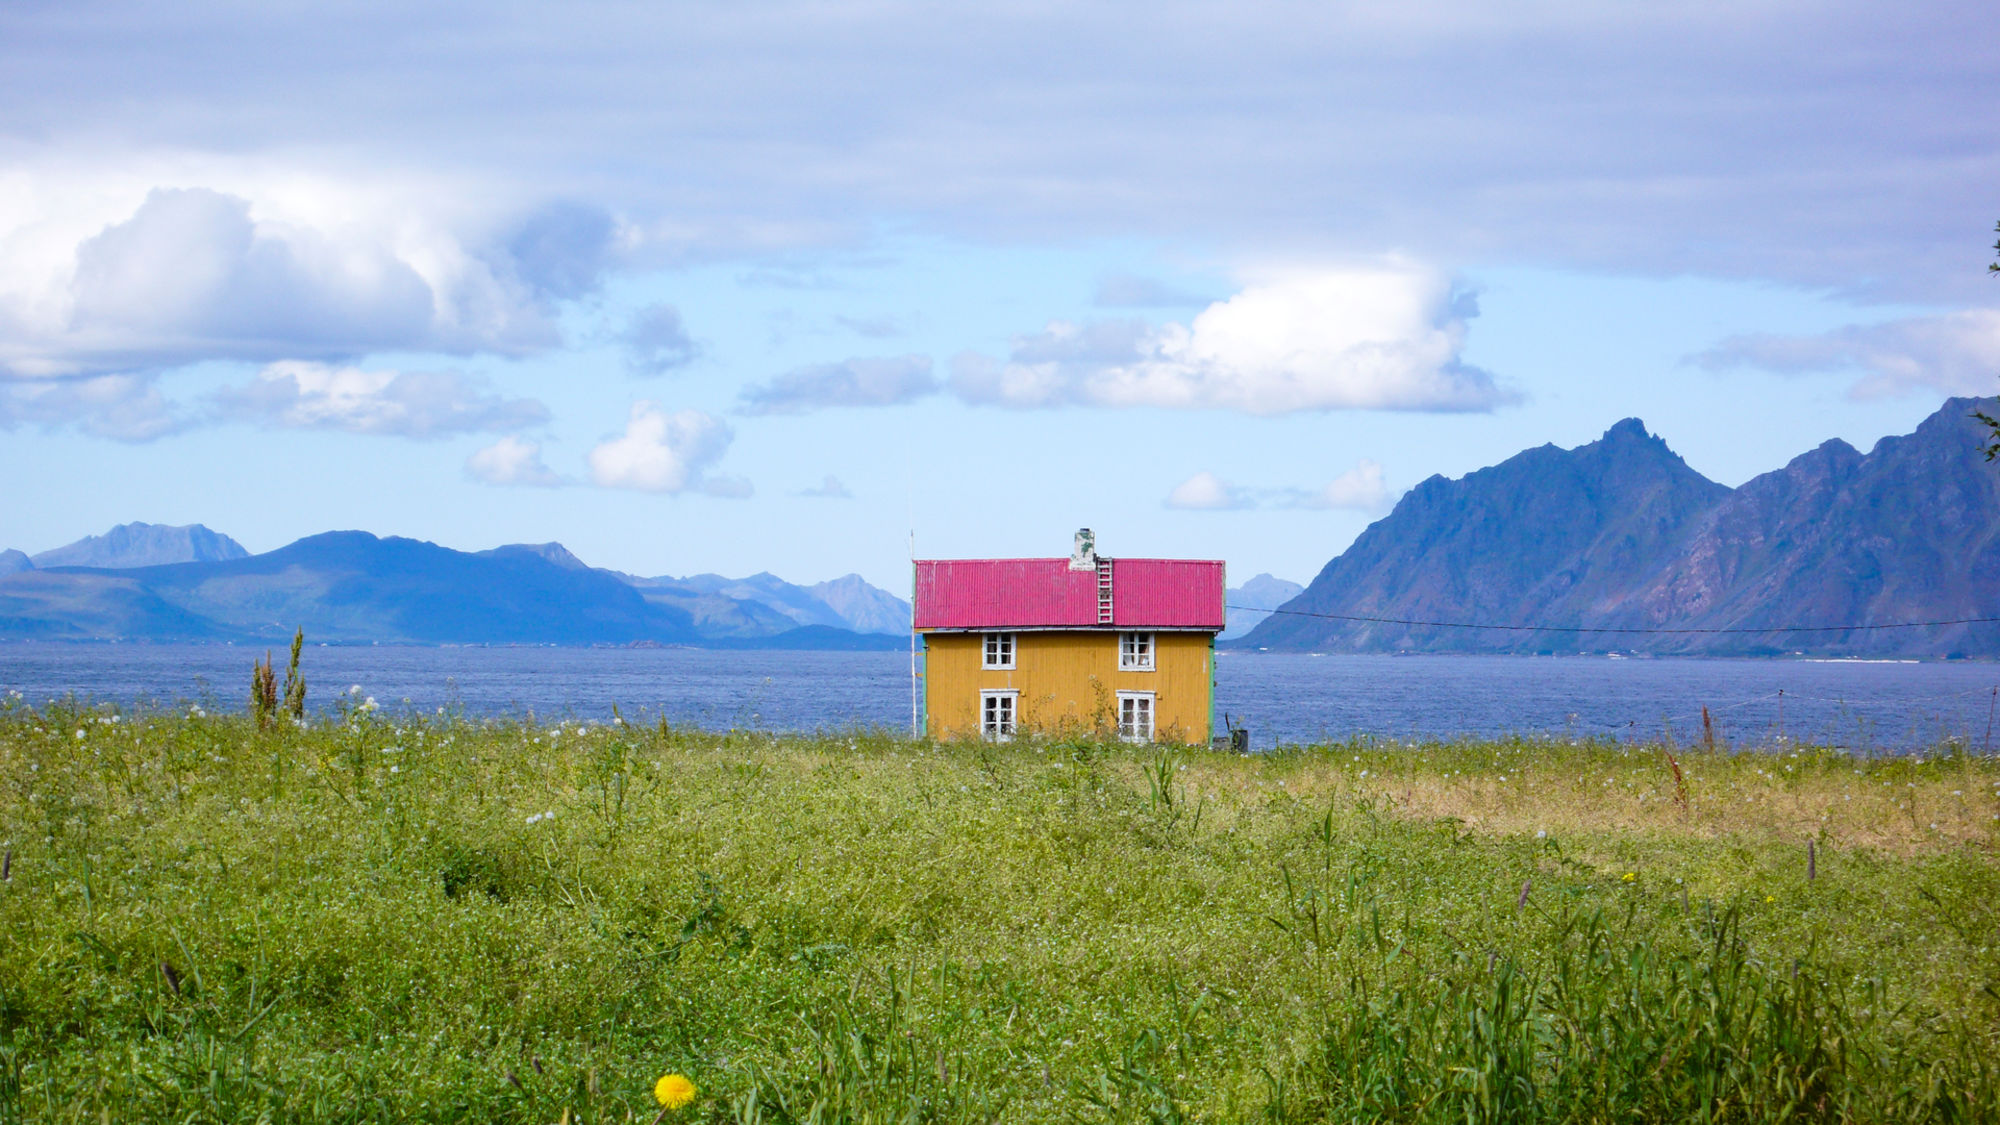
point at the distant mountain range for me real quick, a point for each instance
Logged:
(1621, 533)
(1618, 534)
(154, 583)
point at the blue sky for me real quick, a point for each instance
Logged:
(744, 287)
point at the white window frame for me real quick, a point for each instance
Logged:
(1138, 715)
(999, 714)
(1138, 652)
(996, 650)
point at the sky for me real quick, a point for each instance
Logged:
(780, 286)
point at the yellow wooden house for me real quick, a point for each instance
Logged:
(1082, 644)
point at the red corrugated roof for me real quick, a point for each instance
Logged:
(1047, 594)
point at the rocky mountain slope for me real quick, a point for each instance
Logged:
(1621, 533)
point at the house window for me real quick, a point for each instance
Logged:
(996, 715)
(1135, 716)
(999, 650)
(1135, 652)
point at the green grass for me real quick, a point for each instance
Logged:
(377, 919)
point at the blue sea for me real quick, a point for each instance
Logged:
(1868, 707)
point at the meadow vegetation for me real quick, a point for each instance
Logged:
(378, 917)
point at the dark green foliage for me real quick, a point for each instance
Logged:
(263, 692)
(295, 682)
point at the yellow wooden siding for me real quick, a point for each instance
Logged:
(1069, 682)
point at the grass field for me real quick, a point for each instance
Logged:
(428, 919)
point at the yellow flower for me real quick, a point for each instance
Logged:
(674, 1091)
(1631, 876)
(1770, 898)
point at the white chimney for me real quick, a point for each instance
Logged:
(1083, 555)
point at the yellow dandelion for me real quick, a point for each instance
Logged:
(1770, 898)
(674, 1091)
(1631, 876)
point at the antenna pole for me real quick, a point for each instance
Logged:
(914, 732)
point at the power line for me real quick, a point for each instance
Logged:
(1607, 629)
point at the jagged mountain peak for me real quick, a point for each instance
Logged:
(1620, 533)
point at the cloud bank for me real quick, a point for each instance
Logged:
(1954, 354)
(1385, 338)
(413, 404)
(126, 408)
(1831, 144)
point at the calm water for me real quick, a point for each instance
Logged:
(1281, 698)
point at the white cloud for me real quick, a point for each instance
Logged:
(149, 260)
(300, 395)
(669, 452)
(1956, 354)
(1206, 491)
(513, 460)
(1358, 489)
(120, 407)
(1386, 337)
(862, 381)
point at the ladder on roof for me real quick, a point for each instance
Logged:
(1104, 591)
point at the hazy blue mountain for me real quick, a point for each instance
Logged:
(795, 602)
(13, 562)
(95, 605)
(862, 607)
(762, 605)
(144, 544)
(1621, 533)
(714, 614)
(354, 587)
(843, 603)
(1253, 601)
